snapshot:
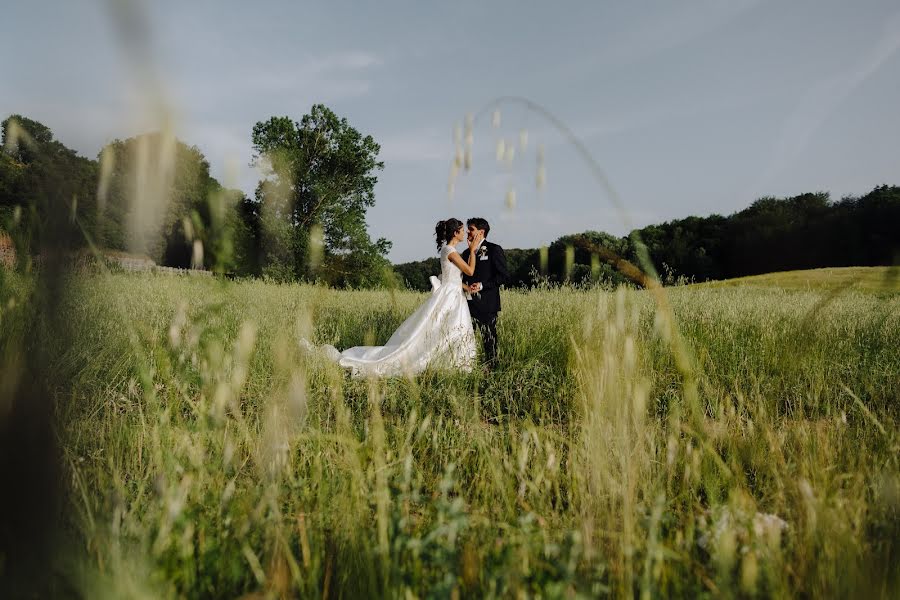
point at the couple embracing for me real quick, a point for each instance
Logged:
(441, 332)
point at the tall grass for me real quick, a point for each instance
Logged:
(209, 457)
(707, 442)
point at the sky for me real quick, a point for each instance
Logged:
(688, 108)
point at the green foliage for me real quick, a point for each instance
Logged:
(525, 267)
(49, 182)
(322, 180)
(414, 275)
(24, 139)
(11, 175)
(190, 191)
(320, 174)
(307, 219)
(802, 232)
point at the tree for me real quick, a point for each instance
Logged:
(319, 182)
(11, 175)
(415, 275)
(218, 223)
(24, 139)
(184, 212)
(53, 187)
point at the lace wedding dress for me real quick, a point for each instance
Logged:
(438, 334)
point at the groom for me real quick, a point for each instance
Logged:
(484, 286)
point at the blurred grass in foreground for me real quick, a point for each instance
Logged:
(208, 457)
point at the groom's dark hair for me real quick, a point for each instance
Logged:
(480, 223)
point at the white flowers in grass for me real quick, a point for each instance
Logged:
(759, 528)
(737, 534)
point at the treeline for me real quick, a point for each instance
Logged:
(153, 195)
(773, 234)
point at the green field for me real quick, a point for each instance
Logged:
(875, 280)
(733, 440)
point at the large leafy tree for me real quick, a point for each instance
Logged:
(48, 184)
(319, 182)
(195, 206)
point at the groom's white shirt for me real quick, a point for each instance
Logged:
(477, 248)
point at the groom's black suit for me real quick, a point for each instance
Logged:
(491, 272)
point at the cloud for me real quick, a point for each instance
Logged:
(218, 120)
(820, 101)
(343, 74)
(663, 31)
(344, 61)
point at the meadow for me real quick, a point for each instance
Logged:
(709, 441)
(873, 280)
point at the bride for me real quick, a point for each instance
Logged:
(438, 334)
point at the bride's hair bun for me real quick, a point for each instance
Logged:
(444, 231)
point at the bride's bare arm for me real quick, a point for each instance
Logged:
(456, 259)
(466, 268)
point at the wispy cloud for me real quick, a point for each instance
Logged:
(276, 82)
(662, 31)
(343, 61)
(821, 100)
(342, 73)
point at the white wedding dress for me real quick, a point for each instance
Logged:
(438, 334)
